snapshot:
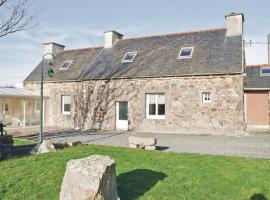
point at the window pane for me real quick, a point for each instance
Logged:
(161, 99)
(161, 109)
(123, 111)
(151, 98)
(186, 52)
(152, 109)
(67, 99)
(66, 103)
(265, 70)
(67, 107)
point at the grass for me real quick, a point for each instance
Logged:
(20, 142)
(142, 175)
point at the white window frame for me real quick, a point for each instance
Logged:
(37, 108)
(185, 57)
(264, 74)
(66, 68)
(63, 105)
(156, 116)
(129, 61)
(209, 98)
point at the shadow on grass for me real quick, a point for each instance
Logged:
(17, 151)
(258, 197)
(136, 183)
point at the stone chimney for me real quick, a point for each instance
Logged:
(235, 24)
(111, 37)
(51, 47)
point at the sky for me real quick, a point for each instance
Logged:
(81, 23)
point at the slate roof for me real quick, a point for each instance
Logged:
(253, 80)
(82, 58)
(214, 53)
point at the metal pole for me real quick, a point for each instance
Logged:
(41, 96)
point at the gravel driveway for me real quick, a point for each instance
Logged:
(256, 146)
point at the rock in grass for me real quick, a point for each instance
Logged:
(90, 178)
(74, 143)
(45, 147)
(142, 141)
(150, 148)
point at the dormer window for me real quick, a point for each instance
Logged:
(66, 65)
(129, 57)
(265, 71)
(185, 52)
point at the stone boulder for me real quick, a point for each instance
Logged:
(90, 178)
(45, 147)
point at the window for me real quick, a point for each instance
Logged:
(206, 97)
(265, 71)
(66, 65)
(129, 57)
(37, 106)
(155, 106)
(6, 107)
(186, 52)
(66, 102)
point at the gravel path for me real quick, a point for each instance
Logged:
(256, 146)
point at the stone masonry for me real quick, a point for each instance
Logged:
(185, 112)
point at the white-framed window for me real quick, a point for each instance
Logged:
(185, 52)
(129, 57)
(155, 106)
(66, 105)
(206, 97)
(37, 105)
(66, 65)
(265, 71)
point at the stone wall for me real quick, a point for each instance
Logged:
(185, 112)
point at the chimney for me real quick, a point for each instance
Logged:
(235, 24)
(51, 47)
(111, 37)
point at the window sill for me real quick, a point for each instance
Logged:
(155, 117)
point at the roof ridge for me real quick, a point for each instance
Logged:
(82, 49)
(176, 33)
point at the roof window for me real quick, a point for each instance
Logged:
(129, 57)
(185, 52)
(265, 71)
(66, 65)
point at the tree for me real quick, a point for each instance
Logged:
(16, 15)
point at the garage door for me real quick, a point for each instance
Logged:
(257, 108)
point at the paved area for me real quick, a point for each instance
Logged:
(254, 145)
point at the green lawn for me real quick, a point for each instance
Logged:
(20, 142)
(142, 175)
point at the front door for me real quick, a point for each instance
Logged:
(122, 115)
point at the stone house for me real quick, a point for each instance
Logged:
(189, 82)
(257, 87)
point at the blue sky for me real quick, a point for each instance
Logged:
(81, 23)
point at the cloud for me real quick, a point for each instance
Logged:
(20, 52)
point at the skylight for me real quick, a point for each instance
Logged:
(186, 52)
(66, 65)
(129, 57)
(265, 71)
